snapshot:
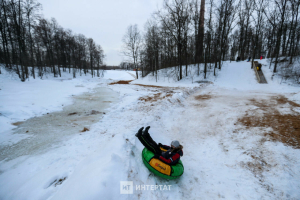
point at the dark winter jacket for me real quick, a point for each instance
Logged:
(170, 157)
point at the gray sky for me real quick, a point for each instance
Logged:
(103, 20)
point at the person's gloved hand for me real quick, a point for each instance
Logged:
(156, 156)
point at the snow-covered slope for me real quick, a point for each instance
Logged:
(222, 158)
(237, 75)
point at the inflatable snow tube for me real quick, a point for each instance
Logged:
(160, 168)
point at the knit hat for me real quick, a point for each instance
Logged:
(175, 143)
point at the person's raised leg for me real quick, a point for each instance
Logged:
(149, 138)
(145, 141)
(147, 135)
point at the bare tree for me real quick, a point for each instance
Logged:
(226, 14)
(258, 19)
(200, 35)
(174, 20)
(281, 6)
(131, 45)
(31, 8)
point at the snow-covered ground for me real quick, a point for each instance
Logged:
(21, 101)
(222, 157)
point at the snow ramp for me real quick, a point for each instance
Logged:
(238, 75)
(259, 73)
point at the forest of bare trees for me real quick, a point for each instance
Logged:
(185, 32)
(181, 33)
(32, 45)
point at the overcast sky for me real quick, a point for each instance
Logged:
(103, 20)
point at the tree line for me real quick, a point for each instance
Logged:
(32, 45)
(185, 32)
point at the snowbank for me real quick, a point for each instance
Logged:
(20, 101)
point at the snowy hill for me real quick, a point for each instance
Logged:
(227, 152)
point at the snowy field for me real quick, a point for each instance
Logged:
(224, 155)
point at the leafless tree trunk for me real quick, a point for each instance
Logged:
(132, 44)
(200, 35)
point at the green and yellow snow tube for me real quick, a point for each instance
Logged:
(160, 168)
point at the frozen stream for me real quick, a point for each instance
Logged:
(49, 130)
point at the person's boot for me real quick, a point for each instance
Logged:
(147, 135)
(145, 132)
(139, 133)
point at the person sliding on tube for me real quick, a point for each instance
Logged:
(172, 154)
